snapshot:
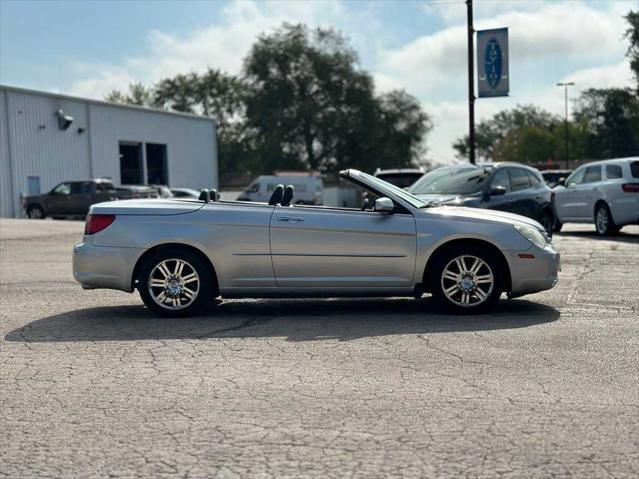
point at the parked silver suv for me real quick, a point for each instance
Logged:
(606, 192)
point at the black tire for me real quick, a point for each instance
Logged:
(558, 226)
(604, 223)
(35, 212)
(548, 221)
(193, 263)
(447, 259)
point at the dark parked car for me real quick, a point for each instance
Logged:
(402, 177)
(73, 198)
(555, 177)
(510, 187)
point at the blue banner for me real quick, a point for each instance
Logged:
(492, 63)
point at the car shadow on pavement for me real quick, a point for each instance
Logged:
(297, 320)
(619, 237)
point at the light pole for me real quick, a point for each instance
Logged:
(471, 81)
(566, 147)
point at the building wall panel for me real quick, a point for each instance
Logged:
(39, 147)
(6, 206)
(31, 143)
(190, 143)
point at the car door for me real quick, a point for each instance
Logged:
(499, 202)
(83, 195)
(566, 198)
(520, 197)
(58, 199)
(342, 249)
(587, 193)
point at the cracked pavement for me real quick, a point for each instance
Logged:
(92, 386)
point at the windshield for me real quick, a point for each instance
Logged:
(451, 181)
(399, 192)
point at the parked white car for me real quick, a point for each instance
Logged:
(309, 188)
(606, 192)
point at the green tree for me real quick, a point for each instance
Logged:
(214, 94)
(632, 34)
(138, 94)
(514, 128)
(312, 106)
(611, 120)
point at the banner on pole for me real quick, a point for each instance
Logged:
(492, 63)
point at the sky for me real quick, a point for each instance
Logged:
(89, 48)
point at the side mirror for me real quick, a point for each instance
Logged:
(497, 191)
(384, 205)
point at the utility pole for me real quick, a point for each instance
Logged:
(471, 83)
(566, 145)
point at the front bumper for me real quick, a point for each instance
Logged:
(531, 275)
(104, 267)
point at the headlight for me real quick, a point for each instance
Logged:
(533, 235)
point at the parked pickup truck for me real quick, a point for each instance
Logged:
(73, 198)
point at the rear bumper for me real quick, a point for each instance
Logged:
(104, 267)
(531, 275)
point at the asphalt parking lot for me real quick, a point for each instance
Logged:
(92, 386)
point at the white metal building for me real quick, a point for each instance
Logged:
(47, 138)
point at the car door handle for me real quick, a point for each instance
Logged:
(292, 219)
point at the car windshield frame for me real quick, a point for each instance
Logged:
(378, 186)
(468, 172)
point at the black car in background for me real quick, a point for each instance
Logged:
(402, 177)
(510, 187)
(555, 177)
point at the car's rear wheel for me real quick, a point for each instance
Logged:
(35, 212)
(547, 220)
(175, 283)
(603, 221)
(467, 279)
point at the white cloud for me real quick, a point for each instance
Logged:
(222, 45)
(549, 42)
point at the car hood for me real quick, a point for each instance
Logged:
(147, 207)
(480, 214)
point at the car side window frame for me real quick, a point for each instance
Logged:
(512, 182)
(616, 168)
(586, 181)
(505, 172)
(576, 178)
(64, 183)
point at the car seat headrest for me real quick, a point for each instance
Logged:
(287, 196)
(276, 196)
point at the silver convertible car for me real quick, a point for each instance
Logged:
(181, 254)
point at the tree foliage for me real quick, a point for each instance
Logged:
(611, 121)
(302, 101)
(632, 34)
(605, 124)
(526, 133)
(312, 106)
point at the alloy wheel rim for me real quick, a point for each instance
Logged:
(602, 220)
(174, 284)
(467, 281)
(35, 213)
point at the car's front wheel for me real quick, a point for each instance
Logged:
(467, 279)
(547, 220)
(175, 283)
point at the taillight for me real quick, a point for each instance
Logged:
(96, 223)
(630, 187)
